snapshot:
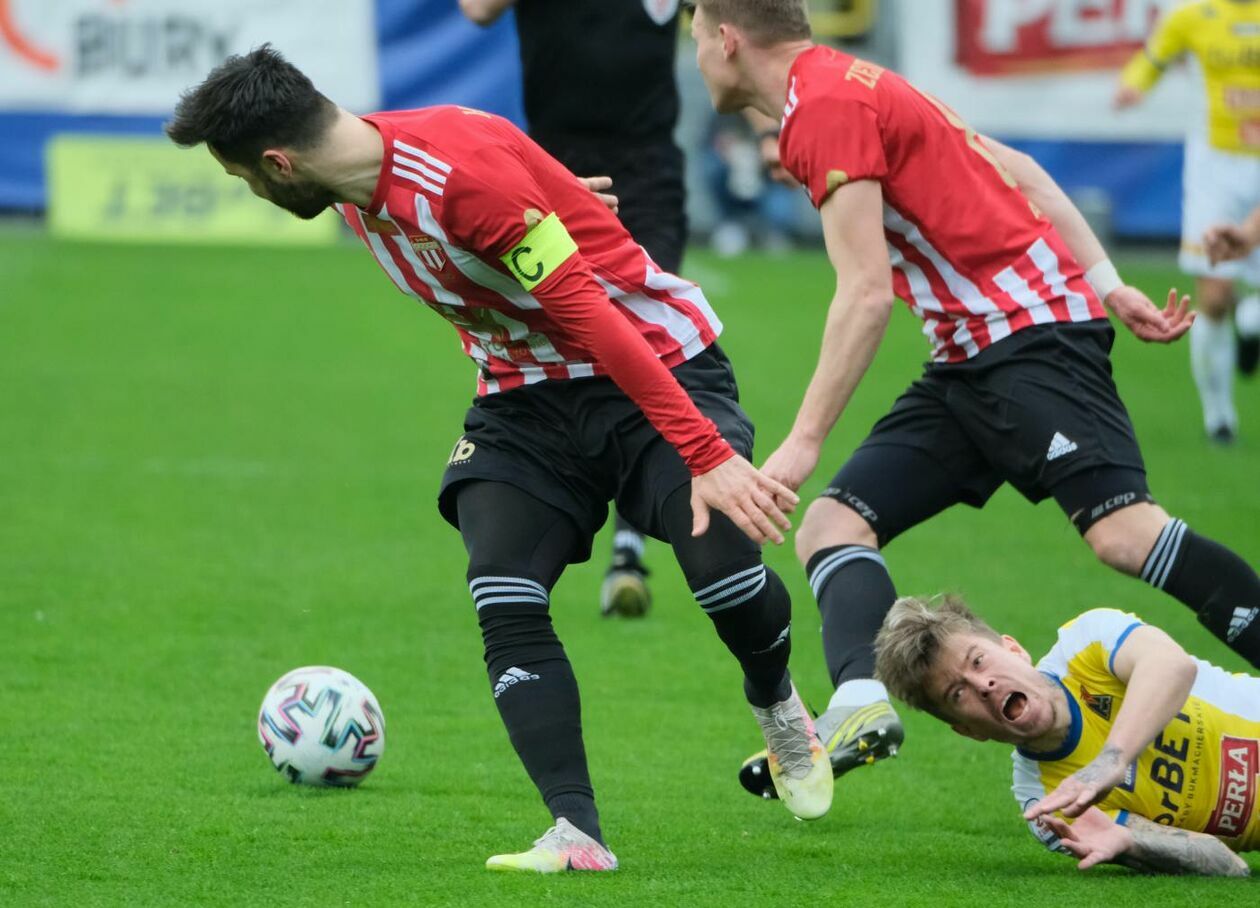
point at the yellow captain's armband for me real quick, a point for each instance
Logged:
(545, 248)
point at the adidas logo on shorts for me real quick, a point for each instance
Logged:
(1059, 446)
(510, 677)
(1240, 622)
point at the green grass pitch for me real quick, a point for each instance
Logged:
(219, 464)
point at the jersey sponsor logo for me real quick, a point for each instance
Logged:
(1240, 761)
(1099, 704)
(545, 248)
(660, 11)
(429, 250)
(462, 452)
(1169, 771)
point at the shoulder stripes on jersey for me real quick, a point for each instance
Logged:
(420, 167)
(497, 590)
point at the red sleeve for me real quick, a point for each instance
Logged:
(488, 216)
(828, 142)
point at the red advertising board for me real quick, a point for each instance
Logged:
(1018, 37)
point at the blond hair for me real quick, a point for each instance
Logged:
(908, 644)
(766, 22)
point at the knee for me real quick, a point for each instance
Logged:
(1215, 298)
(1123, 540)
(829, 523)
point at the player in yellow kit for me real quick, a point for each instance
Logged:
(1154, 754)
(1221, 182)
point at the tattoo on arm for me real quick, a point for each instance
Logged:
(1107, 760)
(1165, 849)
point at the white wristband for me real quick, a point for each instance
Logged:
(1104, 278)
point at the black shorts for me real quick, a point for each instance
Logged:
(581, 443)
(647, 180)
(1038, 410)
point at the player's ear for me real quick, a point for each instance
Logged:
(968, 733)
(729, 40)
(1010, 644)
(276, 163)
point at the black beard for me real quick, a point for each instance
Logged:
(304, 200)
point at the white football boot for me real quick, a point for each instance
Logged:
(562, 847)
(798, 762)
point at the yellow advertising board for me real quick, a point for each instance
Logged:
(144, 189)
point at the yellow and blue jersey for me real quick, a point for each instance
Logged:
(1200, 772)
(1224, 37)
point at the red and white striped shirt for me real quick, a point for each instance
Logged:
(459, 189)
(970, 254)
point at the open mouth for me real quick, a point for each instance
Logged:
(1014, 705)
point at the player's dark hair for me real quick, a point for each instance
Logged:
(764, 21)
(251, 103)
(910, 641)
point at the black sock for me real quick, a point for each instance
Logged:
(1220, 587)
(628, 545)
(854, 593)
(537, 695)
(752, 612)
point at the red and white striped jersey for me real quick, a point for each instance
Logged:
(459, 190)
(971, 255)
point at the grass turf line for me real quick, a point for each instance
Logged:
(219, 464)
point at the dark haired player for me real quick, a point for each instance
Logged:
(598, 378)
(614, 116)
(1010, 284)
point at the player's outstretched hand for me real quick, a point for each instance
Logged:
(1083, 788)
(1094, 838)
(1226, 242)
(753, 501)
(600, 186)
(1148, 322)
(792, 462)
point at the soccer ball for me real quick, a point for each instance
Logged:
(322, 726)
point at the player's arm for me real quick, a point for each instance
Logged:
(1158, 676)
(1142, 845)
(1146, 67)
(853, 229)
(721, 478)
(494, 206)
(1129, 304)
(1225, 242)
(485, 12)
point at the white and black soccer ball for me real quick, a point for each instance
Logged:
(322, 726)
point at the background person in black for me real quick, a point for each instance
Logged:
(600, 96)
